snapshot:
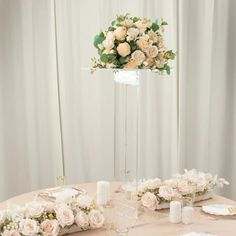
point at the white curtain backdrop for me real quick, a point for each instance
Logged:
(186, 120)
(208, 87)
(88, 100)
(30, 148)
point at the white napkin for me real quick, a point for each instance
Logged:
(198, 234)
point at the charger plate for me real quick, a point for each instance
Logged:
(218, 209)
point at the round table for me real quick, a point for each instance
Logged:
(159, 220)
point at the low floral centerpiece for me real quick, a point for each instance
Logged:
(133, 43)
(51, 218)
(156, 194)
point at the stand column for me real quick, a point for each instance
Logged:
(126, 127)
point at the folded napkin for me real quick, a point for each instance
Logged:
(198, 234)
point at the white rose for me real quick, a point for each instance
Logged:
(2, 216)
(201, 185)
(128, 23)
(160, 63)
(168, 193)
(12, 232)
(49, 228)
(152, 51)
(34, 209)
(64, 215)
(96, 219)
(82, 220)
(138, 57)
(49, 206)
(132, 33)
(29, 227)
(120, 33)
(171, 182)
(141, 26)
(110, 35)
(123, 49)
(149, 200)
(154, 183)
(108, 44)
(84, 201)
(185, 188)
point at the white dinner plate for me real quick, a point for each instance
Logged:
(218, 209)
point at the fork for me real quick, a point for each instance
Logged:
(232, 210)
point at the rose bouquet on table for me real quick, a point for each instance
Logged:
(51, 219)
(156, 194)
(133, 43)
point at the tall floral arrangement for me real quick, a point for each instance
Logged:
(133, 43)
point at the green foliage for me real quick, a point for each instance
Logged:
(170, 55)
(167, 69)
(164, 23)
(133, 45)
(98, 39)
(155, 27)
(111, 28)
(135, 19)
(124, 60)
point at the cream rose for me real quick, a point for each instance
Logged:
(141, 26)
(34, 209)
(154, 183)
(132, 33)
(152, 51)
(152, 36)
(64, 215)
(160, 63)
(168, 193)
(128, 23)
(82, 220)
(12, 232)
(123, 49)
(120, 33)
(172, 183)
(185, 188)
(49, 228)
(149, 62)
(49, 206)
(2, 216)
(29, 227)
(84, 201)
(149, 200)
(96, 219)
(143, 44)
(138, 57)
(130, 65)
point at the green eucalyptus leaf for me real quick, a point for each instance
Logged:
(104, 58)
(98, 39)
(133, 45)
(155, 27)
(164, 23)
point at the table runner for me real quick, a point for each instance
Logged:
(222, 226)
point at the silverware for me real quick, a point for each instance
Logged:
(232, 210)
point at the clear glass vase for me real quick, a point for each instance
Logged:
(126, 128)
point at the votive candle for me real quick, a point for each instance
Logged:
(175, 212)
(103, 192)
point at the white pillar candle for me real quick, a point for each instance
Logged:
(187, 215)
(175, 212)
(103, 192)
